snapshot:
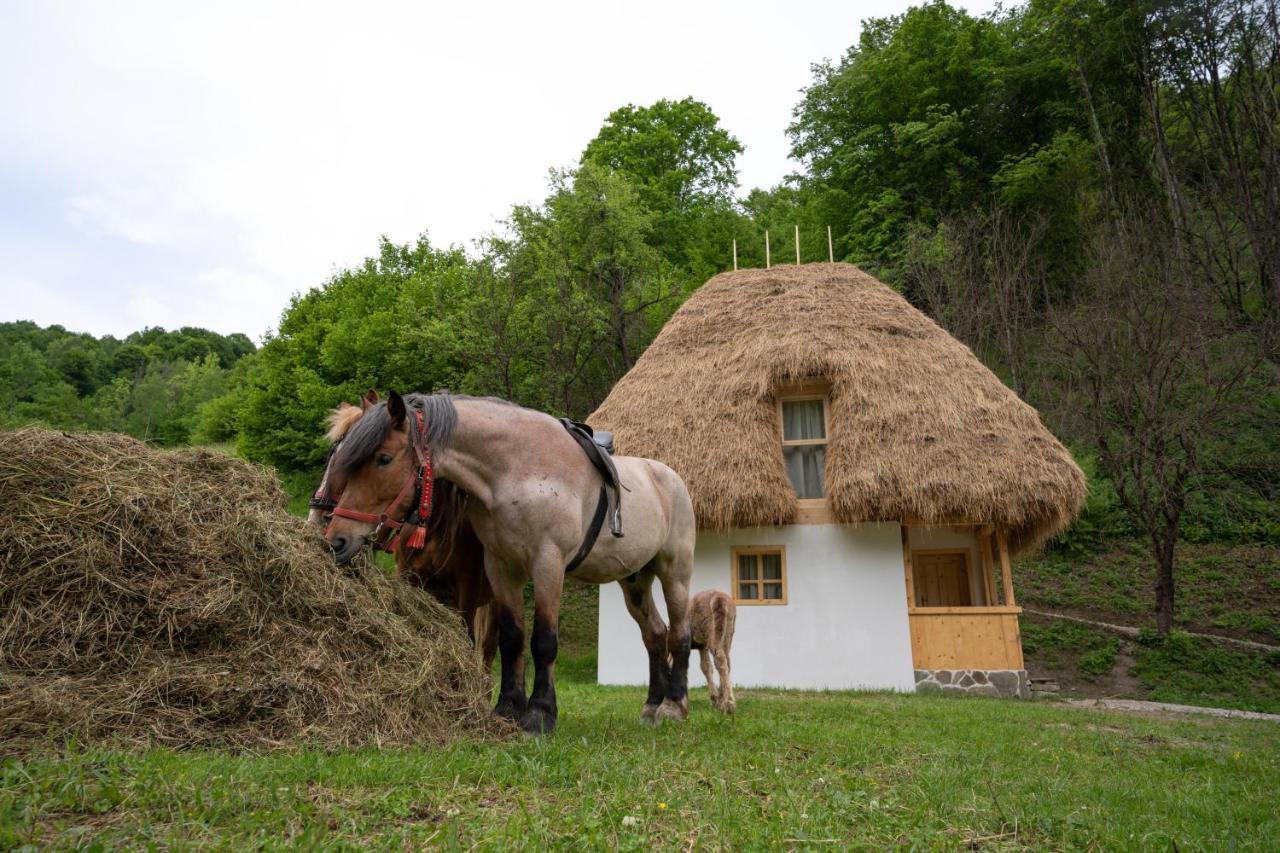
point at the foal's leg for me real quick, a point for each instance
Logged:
(508, 594)
(636, 591)
(704, 658)
(726, 684)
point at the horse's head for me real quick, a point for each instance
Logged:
(376, 472)
(341, 420)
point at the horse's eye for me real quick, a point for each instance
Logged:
(384, 459)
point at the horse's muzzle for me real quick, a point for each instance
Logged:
(345, 548)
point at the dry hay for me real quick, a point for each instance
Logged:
(167, 597)
(920, 429)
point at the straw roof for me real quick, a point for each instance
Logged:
(919, 428)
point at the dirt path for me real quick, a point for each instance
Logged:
(1130, 631)
(1168, 708)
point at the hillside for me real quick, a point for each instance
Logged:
(1230, 591)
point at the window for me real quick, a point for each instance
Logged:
(759, 576)
(804, 442)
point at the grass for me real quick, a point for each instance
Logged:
(790, 769)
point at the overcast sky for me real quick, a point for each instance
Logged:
(196, 163)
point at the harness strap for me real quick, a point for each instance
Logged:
(593, 532)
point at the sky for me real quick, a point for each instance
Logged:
(182, 163)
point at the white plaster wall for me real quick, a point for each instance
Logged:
(844, 624)
(939, 538)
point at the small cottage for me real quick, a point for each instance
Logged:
(861, 482)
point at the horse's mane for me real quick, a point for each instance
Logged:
(341, 419)
(372, 428)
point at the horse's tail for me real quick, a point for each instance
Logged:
(724, 617)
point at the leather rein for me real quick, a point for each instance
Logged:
(419, 482)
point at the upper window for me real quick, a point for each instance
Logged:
(759, 576)
(804, 442)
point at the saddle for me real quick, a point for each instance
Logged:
(598, 446)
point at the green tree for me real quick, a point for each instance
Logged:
(918, 119)
(683, 166)
(392, 322)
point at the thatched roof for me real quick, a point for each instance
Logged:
(920, 429)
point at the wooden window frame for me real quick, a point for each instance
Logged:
(757, 550)
(810, 510)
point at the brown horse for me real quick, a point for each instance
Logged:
(535, 502)
(449, 566)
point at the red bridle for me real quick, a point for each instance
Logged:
(421, 479)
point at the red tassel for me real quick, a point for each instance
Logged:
(418, 539)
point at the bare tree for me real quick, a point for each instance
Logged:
(1149, 370)
(1211, 73)
(981, 278)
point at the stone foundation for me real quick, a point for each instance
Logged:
(1011, 683)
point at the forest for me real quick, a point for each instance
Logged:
(1085, 192)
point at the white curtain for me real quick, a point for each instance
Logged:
(746, 574)
(803, 419)
(772, 572)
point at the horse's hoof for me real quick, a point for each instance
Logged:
(538, 721)
(649, 715)
(669, 710)
(508, 710)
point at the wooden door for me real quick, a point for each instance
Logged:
(941, 579)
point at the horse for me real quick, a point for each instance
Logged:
(535, 504)
(446, 565)
(712, 614)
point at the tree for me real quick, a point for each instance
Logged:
(682, 164)
(391, 322)
(1150, 373)
(918, 122)
(585, 287)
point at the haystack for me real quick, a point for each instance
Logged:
(920, 429)
(167, 597)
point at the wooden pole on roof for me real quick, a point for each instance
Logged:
(735, 255)
(797, 245)
(831, 253)
(767, 263)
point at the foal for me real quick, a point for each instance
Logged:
(712, 614)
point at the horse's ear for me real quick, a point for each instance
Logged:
(369, 399)
(396, 408)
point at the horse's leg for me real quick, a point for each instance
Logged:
(636, 592)
(704, 658)
(508, 593)
(674, 577)
(548, 584)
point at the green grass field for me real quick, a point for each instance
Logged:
(790, 769)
